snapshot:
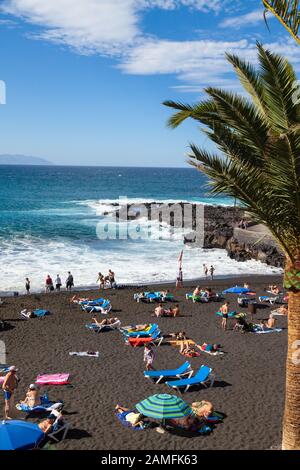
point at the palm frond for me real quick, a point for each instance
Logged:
(287, 12)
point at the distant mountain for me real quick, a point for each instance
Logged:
(22, 160)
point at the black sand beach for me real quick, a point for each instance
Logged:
(250, 376)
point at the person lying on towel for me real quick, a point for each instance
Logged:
(135, 419)
(212, 348)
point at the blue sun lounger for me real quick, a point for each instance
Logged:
(203, 376)
(142, 334)
(158, 375)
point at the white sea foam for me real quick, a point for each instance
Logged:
(133, 262)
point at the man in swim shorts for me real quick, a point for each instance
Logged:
(9, 386)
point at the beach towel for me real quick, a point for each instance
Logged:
(122, 418)
(207, 351)
(270, 330)
(53, 379)
(41, 313)
(85, 353)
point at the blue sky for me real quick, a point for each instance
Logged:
(86, 78)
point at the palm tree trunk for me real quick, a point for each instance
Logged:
(291, 426)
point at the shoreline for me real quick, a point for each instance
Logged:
(128, 285)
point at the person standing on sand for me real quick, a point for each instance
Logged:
(205, 270)
(69, 281)
(9, 386)
(58, 283)
(212, 271)
(49, 284)
(149, 357)
(224, 310)
(111, 278)
(101, 280)
(27, 286)
(179, 281)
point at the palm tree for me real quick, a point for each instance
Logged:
(287, 12)
(258, 163)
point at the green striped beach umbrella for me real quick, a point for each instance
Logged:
(164, 406)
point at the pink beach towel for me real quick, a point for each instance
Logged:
(53, 379)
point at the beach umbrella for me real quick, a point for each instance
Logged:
(164, 406)
(237, 290)
(19, 435)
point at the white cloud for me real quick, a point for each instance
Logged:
(198, 63)
(113, 27)
(251, 18)
(89, 26)
(93, 26)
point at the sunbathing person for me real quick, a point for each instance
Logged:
(159, 311)
(213, 348)
(197, 292)
(188, 350)
(132, 417)
(283, 310)
(179, 336)
(77, 300)
(174, 312)
(274, 289)
(105, 321)
(47, 424)
(203, 408)
(32, 397)
(271, 321)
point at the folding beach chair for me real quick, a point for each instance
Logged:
(180, 372)
(203, 377)
(59, 426)
(99, 329)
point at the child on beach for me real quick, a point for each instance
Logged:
(212, 271)
(149, 356)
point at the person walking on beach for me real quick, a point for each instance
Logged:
(49, 284)
(212, 271)
(205, 270)
(58, 283)
(101, 280)
(27, 286)
(69, 281)
(149, 356)
(111, 278)
(224, 310)
(179, 281)
(9, 386)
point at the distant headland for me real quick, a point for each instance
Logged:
(22, 160)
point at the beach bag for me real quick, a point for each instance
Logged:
(51, 288)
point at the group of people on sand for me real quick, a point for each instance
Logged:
(50, 286)
(200, 412)
(241, 322)
(106, 281)
(209, 271)
(32, 399)
(160, 311)
(206, 293)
